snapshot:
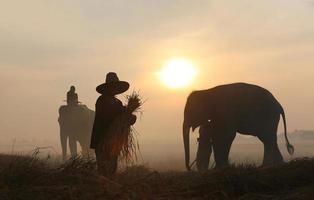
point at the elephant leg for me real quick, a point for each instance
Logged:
(222, 144)
(278, 159)
(272, 155)
(73, 146)
(84, 151)
(63, 139)
(268, 136)
(87, 152)
(204, 151)
(85, 148)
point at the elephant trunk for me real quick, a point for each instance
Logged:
(186, 140)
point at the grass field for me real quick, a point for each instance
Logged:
(26, 177)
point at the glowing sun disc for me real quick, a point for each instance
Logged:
(177, 73)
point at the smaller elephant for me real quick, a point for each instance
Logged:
(76, 123)
(205, 146)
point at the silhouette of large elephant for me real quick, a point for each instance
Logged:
(238, 107)
(76, 122)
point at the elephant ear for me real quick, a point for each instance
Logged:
(290, 149)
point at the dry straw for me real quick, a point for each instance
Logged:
(122, 135)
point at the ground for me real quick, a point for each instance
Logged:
(27, 177)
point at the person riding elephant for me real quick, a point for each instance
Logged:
(75, 121)
(108, 108)
(72, 97)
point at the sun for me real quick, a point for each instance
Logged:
(178, 73)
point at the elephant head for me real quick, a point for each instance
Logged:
(196, 112)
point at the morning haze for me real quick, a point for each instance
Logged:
(47, 46)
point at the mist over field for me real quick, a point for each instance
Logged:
(217, 64)
(49, 46)
(170, 156)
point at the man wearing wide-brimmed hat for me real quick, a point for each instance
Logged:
(108, 107)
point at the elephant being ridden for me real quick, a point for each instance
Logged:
(76, 122)
(238, 107)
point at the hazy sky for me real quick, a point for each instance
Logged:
(46, 46)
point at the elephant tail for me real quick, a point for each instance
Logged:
(290, 148)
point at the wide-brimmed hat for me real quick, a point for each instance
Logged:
(112, 85)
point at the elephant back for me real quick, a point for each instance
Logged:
(76, 119)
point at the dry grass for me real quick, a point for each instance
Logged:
(123, 141)
(23, 177)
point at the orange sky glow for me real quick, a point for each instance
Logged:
(50, 45)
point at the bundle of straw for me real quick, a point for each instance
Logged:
(122, 136)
